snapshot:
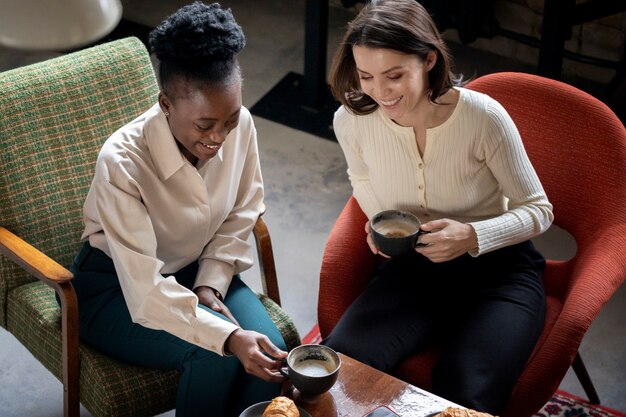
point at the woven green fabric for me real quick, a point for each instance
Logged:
(107, 387)
(55, 117)
(282, 321)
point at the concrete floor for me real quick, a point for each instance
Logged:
(306, 187)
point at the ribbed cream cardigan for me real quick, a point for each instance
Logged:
(474, 170)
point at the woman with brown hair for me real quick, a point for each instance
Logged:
(415, 139)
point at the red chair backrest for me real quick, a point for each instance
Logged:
(578, 148)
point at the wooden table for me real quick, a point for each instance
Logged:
(360, 389)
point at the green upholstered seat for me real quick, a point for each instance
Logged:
(54, 117)
(107, 387)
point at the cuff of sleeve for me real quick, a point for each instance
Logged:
(215, 274)
(211, 332)
(487, 237)
(480, 237)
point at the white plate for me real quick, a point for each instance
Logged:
(257, 409)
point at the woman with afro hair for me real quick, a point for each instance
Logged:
(175, 195)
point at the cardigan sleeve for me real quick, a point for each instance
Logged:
(358, 172)
(529, 213)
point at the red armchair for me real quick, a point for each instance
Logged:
(578, 148)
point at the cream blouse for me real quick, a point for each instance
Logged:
(474, 170)
(153, 212)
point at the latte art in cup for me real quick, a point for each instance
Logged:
(313, 367)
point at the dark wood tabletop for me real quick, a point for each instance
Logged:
(361, 388)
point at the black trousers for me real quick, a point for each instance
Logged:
(486, 312)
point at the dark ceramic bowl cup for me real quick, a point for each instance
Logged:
(313, 369)
(396, 232)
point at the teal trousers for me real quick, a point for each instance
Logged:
(210, 384)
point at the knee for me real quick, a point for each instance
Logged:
(279, 342)
(479, 389)
(272, 331)
(372, 354)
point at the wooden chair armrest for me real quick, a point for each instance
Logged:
(266, 260)
(32, 260)
(59, 278)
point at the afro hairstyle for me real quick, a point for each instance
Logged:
(198, 42)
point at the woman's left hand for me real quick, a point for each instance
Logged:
(448, 239)
(207, 297)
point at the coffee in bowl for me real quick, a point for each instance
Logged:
(395, 228)
(314, 367)
(395, 232)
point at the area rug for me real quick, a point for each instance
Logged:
(562, 404)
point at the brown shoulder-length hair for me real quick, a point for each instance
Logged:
(401, 25)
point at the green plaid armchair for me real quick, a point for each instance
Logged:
(55, 116)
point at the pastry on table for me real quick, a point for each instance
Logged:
(461, 412)
(281, 407)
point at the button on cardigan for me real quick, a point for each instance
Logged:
(153, 213)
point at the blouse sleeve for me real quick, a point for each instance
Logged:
(529, 213)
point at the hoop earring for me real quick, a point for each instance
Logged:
(167, 114)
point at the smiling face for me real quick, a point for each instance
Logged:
(201, 118)
(398, 82)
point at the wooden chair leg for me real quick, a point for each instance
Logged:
(71, 361)
(583, 376)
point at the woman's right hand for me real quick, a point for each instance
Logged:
(258, 355)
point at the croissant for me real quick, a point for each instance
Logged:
(461, 412)
(281, 407)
